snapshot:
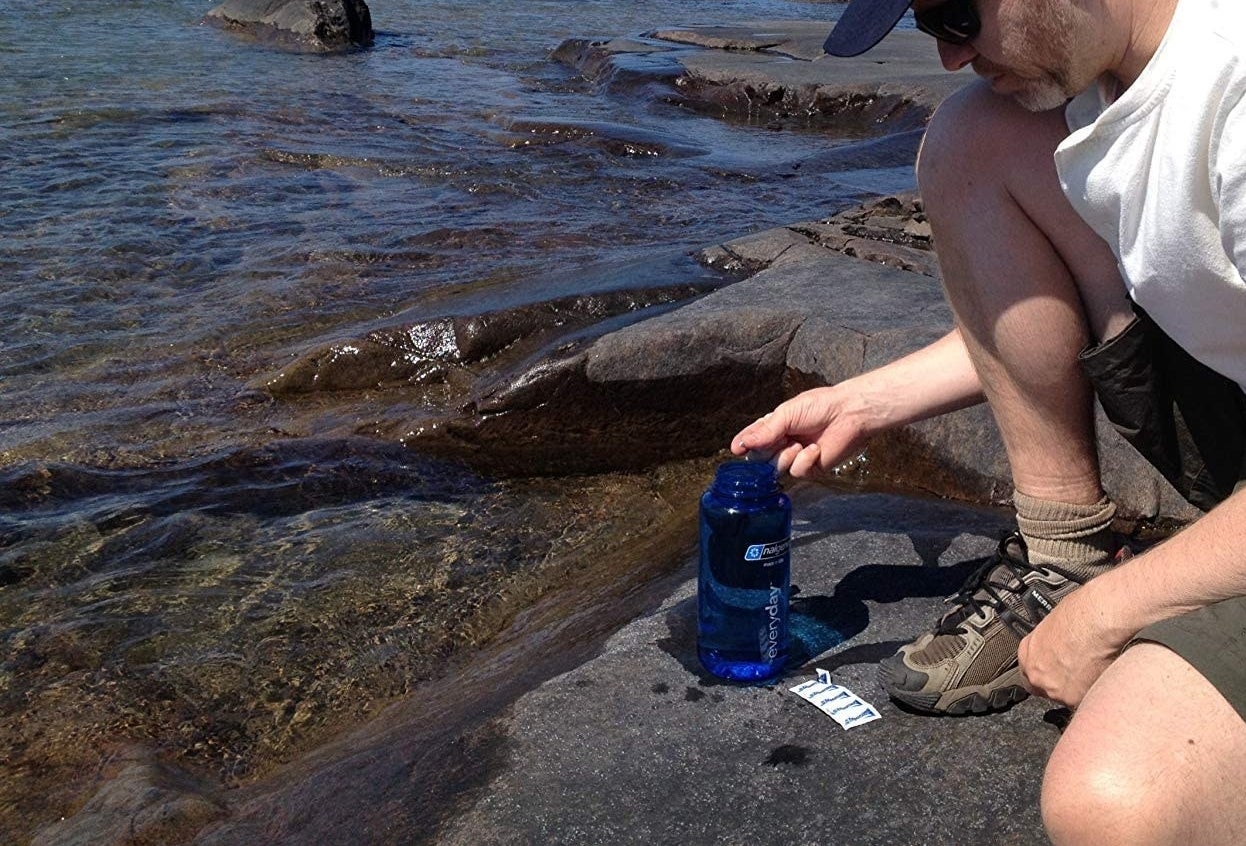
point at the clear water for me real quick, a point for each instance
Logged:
(186, 564)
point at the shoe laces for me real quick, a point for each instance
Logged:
(984, 589)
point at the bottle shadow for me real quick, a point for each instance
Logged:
(819, 623)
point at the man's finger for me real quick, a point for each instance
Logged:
(786, 456)
(757, 435)
(768, 433)
(806, 462)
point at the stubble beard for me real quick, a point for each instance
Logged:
(1048, 33)
(1042, 95)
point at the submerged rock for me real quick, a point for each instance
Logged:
(614, 138)
(306, 25)
(428, 351)
(145, 801)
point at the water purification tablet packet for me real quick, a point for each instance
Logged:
(837, 702)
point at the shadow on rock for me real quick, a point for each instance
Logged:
(681, 644)
(820, 623)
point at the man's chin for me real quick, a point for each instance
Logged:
(1033, 96)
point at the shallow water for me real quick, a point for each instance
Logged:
(183, 211)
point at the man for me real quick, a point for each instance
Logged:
(1088, 202)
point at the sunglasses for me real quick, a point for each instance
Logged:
(955, 21)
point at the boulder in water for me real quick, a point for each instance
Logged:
(319, 26)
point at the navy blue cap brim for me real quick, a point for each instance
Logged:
(863, 24)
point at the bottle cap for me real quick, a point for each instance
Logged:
(762, 455)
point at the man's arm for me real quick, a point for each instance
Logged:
(1201, 565)
(935, 380)
(1206, 562)
(819, 429)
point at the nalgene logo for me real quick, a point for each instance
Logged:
(767, 554)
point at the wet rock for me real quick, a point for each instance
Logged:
(826, 300)
(304, 25)
(598, 755)
(721, 37)
(427, 351)
(627, 401)
(621, 64)
(554, 419)
(896, 150)
(612, 137)
(144, 802)
(776, 71)
(548, 380)
(352, 365)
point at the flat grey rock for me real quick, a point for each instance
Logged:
(767, 69)
(905, 63)
(724, 37)
(640, 745)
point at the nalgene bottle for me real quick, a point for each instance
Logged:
(742, 587)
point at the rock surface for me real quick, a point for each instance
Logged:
(425, 351)
(305, 25)
(584, 728)
(640, 745)
(766, 71)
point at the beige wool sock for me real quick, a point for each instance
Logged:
(1076, 538)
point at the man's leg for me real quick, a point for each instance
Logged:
(1030, 285)
(1029, 282)
(1154, 755)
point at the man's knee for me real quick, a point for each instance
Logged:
(1091, 797)
(978, 136)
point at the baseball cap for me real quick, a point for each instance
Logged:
(863, 24)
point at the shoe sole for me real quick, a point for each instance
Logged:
(998, 695)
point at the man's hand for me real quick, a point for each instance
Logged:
(809, 433)
(822, 428)
(1068, 651)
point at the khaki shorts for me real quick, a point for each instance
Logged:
(1189, 422)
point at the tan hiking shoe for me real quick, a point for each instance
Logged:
(968, 664)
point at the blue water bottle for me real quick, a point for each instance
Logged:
(745, 573)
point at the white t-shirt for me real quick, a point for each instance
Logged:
(1160, 174)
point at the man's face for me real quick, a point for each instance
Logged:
(1036, 51)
